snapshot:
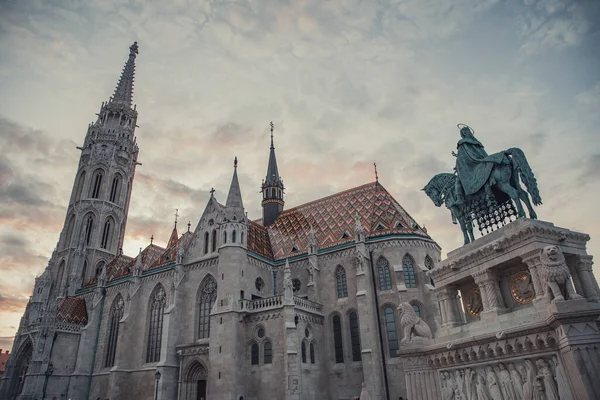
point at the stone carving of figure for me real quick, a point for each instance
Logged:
(447, 387)
(517, 380)
(529, 385)
(482, 392)
(555, 275)
(506, 383)
(546, 376)
(288, 287)
(364, 394)
(460, 382)
(492, 384)
(561, 378)
(469, 384)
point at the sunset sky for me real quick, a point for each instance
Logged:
(346, 83)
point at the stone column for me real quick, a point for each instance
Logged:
(492, 289)
(583, 268)
(448, 303)
(480, 279)
(533, 263)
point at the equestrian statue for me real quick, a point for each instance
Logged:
(480, 178)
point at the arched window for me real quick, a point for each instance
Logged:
(99, 268)
(337, 339)
(312, 353)
(242, 238)
(342, 284)
(214, 241)
(417, 309)
(390, 327)
(69, 234)
(354, 336)
(206, 242)
(155, 326)
(89, 227)
(21, 367)
(96, 184)
(224, 237)
(80, 183)
(116, 313)
(208, 295)
(383, 271)
(233, 236)
(303, 352)
(254, 354)
(408, 269)
(105, 242)
(115, 189)
(84, 272)
(59, 275)
(429, 266)
(268, 352)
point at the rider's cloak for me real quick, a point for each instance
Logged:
(474, 165)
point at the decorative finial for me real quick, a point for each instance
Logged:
(235, 162)
(376, 176)
(176, 216)
(189, 225)
(151, 239)
(272, 128)
(212, 190)
(133, 49)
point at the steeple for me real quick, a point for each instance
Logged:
(124, 90)
(272, 188)
(234, 207)
(174, 235)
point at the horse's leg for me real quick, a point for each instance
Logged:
(502, 177)
(514, 178)
(463, 228)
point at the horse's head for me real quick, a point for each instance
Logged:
(439, 187)
(433, 192)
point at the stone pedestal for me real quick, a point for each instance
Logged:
(516, 334)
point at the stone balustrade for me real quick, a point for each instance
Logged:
(307, 305)
(274, 302)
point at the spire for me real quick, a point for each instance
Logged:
(272, 177)
(174, 235)
(124, 91)
(234, 205)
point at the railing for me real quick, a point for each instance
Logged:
(262, 304)
(307, 305)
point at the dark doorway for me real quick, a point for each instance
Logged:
(201, 390)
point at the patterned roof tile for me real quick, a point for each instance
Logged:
(72, 310)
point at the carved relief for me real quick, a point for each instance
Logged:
(473, 302)
(521, 287)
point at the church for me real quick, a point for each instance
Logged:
(301, 304)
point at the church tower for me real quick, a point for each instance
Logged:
(94, 226)
(272, 189)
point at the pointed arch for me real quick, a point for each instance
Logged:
(107, 233)
(99, 267)
(355, 336)
(79, 187)
(23, 360)
(341, 282)
(60, 273)
(84, 273)
(116, 313)
(303, 349)
(383, 272)
(312, 352)
(224, 237)
(390, 328)
(254, 353)
(69, 233)
(207, 295)
(337, 339)
(214, 240)
(115, 188)
(158, 301)
(408, 271)
(96, 187)
(206, 239)
(194, 381)
(233, 236)
(267, 352)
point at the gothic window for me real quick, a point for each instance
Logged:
(429, 266)
(208, 296)
(214, 241)
(268, 352)
(105, 242)
(158, 301)
(233, 234)
(390, 327)
(296, 285)
(254, 354)
(337, 339)
(242, 238)
(383, 270)
(206, 242)
(224, 237)
(312, 353)
(89, 227)
(99, 267)
(116, 313)
(417, 309)
(408, 269)
(79, 188)
(69, 235)
(96, 184)
(341, 283)
(59, 276)
(84, 272)
(354, 336)
(115, 189)
(303, 352)
(21, 367)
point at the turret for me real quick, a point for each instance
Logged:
(234, 227)
(272, 189)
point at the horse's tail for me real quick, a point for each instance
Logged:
(521, 164)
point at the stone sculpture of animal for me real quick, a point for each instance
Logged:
(412, 325)
(555, 275)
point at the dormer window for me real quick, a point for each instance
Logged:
(345, 235)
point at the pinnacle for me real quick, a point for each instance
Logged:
(124, 90)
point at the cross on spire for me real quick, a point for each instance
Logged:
(189, 225)
(376, 176)
(212, 190)
(176, 215)
(272, 128)
(151, 239)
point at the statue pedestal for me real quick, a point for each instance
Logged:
(508, 330)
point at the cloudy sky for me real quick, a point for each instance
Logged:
(346, 83)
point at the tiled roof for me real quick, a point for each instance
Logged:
(3, 360)
(72, 310)
(258, 240)
(333, 219)
(170, 254)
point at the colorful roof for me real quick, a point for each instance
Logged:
(333, 219)
(258, 240)
(72, 310)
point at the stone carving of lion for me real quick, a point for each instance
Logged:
(555, 275)
(412, 325)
